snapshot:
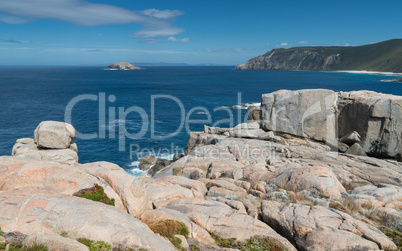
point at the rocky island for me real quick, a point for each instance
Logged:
(312, 170)
(398, 80)
(122, 66)
(380, 57)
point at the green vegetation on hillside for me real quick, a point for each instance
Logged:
(384, 57)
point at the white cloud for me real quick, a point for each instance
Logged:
(36, 42)
(117, 50)
(150, 41)
(9, 41)
(162, 14)
(226, 50)
(347, 44)
(302, 42)
(267, 45)
(12, 41)
(283, 44)
(240, 50)
(156, 23)
(157, 30)
(183, 40)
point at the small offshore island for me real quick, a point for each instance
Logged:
(123, 66)
(331, 180)
(396, 80)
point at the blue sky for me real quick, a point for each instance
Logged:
(100, 32)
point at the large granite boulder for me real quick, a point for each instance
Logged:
(54, 135)
(376, 117)
(52, 142)
(304, 113)
(371, 119)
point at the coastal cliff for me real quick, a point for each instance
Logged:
(383, 57)
(285, 181)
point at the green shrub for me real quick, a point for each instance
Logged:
(176, 242)
(168, 229)
(255, 243)
(1, 232)
(18, 246)
(84, 241)
(2, 245)
(184, 231)
(395, 236)
(100, 246)
(95, 193)
(194, 247)
(95, 245)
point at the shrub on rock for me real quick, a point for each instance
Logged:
(95, 193)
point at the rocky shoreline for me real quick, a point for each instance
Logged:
(297, 177)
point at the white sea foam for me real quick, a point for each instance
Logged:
(246, 106)
(137, 172)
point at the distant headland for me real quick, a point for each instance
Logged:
(122, 66)
(379, 57)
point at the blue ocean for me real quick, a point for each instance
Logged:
(123, 115)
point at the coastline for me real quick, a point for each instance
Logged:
(249, 183)
(370, 72)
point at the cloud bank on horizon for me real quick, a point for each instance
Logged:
(155, 23)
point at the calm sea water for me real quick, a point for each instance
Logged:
(29, 95)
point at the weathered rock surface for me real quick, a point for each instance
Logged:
(293, 167)
(187, 183)
(356, 149)
(379, 119)
(54, 242)
(222, 220)
(320, 228)
(130, 190)
(351, 138)
(305, 113)
(160, 194)
(31, 210)
(254, 113)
